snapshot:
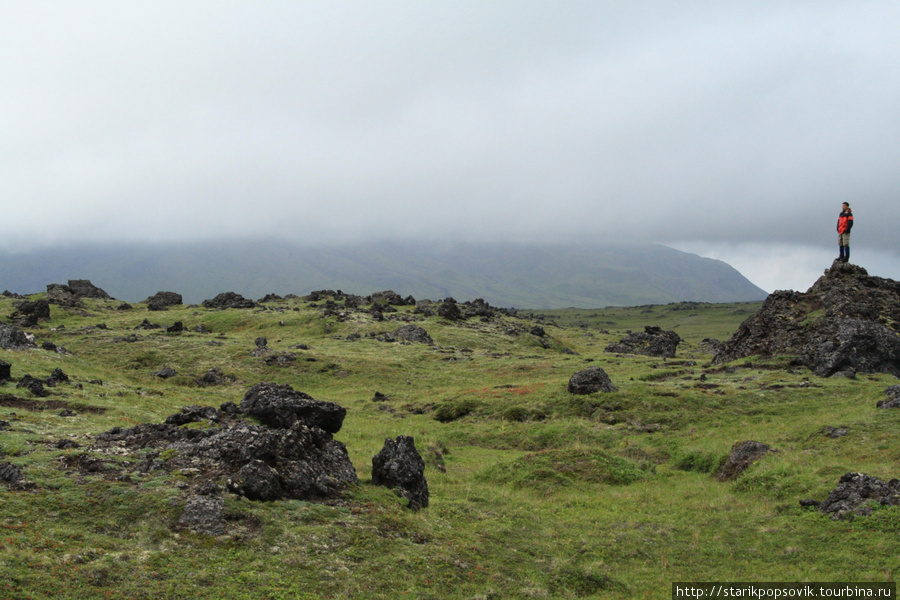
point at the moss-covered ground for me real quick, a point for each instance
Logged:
(535, 492)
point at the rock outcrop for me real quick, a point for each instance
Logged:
(399, 466)
(163, 300)
(847, 322)
(590, 380)
(297, 461)
(13, 338)
(858, 494)
(281, 406)
(229, 300)
(742, 456)
(653, 341)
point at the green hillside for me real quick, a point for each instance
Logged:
(535, 492)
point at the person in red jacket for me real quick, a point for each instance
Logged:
(844, 225)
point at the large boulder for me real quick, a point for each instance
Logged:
(302, 462)
(83, 288)
(163, 300)
(28, 313)
(742, 456)
(653, 341)
(400, 467)
(229, 300)
(13, 338)
(848, 321)
(590, 380)
(860, 494)
(62, 295)
(281, 406)
(413, 333)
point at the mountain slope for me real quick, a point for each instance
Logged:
(504, 274)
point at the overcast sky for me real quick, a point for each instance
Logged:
(731, 129)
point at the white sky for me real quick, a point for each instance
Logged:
(733, 129)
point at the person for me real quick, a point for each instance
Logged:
(844, 225)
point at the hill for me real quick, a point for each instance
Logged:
(514, 275)
(110, 487)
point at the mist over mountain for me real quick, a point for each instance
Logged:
(504, 274)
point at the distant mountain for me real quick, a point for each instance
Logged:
(504, 274)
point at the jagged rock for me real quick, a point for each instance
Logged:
(229, 300)
(893, 394)
(83, 288)
(300, 462)
(177, 327)
(10, 474)
(146, 324)
(204, 514)
(62, 295)
(270, 298)
(848, 320)
(400, 467)
(33, 385)
(590, 380)
(859, 494)
(388, 297)
(13, 338)
(214, 376)
(165, 373)
(57, 377)
(449, 310)
(537, 331)
(5, 371)
(413, 333)
(163, 300)
(281, 406)
(28, 313)
(743, 455)
(194, 414)
(653, 341)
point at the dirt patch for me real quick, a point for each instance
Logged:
(11, 401)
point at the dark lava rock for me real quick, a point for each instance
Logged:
(33, 385)
(653, 341)
(449, 310)
(860, 494)
(229, 300)
(62, 295)
(743, 454)
(146, 324)
(281, 406)
(893, 394)
(194, 414)
(400, 467)
(13, 338)
(258, 462)
(5, 371)
(163, 300)
(177, 327)
(214, 376)
(388, 297)
(204, 514)
(270, 298)
(57, 377)
(165, 373)
(28, 313)
(413, 333)
(848, 320)
(10, 474)
(538, 331)
(83, 288)
(590, 380)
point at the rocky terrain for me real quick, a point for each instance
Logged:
(847, 322)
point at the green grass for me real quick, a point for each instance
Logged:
(535, 492)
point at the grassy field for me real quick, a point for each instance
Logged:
(535, 492)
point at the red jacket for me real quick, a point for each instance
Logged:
(845, 221)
